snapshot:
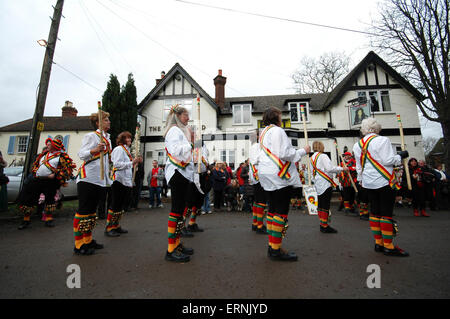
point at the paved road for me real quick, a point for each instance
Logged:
(230, 260)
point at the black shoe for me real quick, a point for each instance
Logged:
(379, 248)
(395, 252)
(186, 233)
(194, 228)
(328, 230)
(185, 250)
(262, 230)
(120, 230)
(84, 250)
(364, 217)
(280, 254)
(254, 227)
(50, 223)
(177, 256)
(112, 233)
(95, 245)
(25, 224)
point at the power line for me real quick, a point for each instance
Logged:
(78, 77)
(275, 18)
(161, 45)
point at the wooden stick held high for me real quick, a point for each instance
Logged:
(405, 160)
(100, 127)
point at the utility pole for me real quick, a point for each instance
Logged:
(38, 124)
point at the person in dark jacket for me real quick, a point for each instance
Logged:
(231, 192)
(219, 177)
(418, 187)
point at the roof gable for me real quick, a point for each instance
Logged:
(177, 68)
(53, 123)
(340, 89)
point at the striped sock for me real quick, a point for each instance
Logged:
(26, 211)
(83, 236)
(363, 210)
(112, 221)
(278, 223)
(172, 227)
(259, 215)
(347, 205)
(269, 228)
(374, 222)
(49, 209)
(255, 218)
(193, 219)
(387, 231)
(323, 217)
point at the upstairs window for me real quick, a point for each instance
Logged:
(379, 100)
(295, 109)
(242, 114)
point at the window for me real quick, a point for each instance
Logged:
(228, 156)
(242, 113)
(295, 108)
(187, 104)
(379, 100)
(22, 144)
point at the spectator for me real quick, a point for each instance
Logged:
(165, 187)
(429, 179)
(155, 182)
(219, 177)
(3, 186)
(231, 192)
(137, 187)
(248, 197)
(418, 187)
(442, 188)
(230, 173)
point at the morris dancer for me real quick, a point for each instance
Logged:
(348, 192)
(122, 185)
(375, 160)
(51, 169)
(260, 197)
(277, 175)
(179, 174)
(91, 186)
(322, 174)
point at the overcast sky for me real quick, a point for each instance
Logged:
(145, 37)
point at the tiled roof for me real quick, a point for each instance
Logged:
(261, 103)
(53, 123)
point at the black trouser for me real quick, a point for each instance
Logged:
(179, 186)
(260, 195)
(362, 195)
(136, 194)
(218, 199)
(120, 196)
(418, 198)
(195, 198)
(348, 194)
(279, 200)
(35, 187)
(89, 196)
(104, 203)
(324, 200)
(381, 201)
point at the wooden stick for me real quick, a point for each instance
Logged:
(345, 165)
(405, 160)
(199, 149)
(136, 149)
(100, 126)
(302, 111)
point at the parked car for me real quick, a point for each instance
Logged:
(15, 176)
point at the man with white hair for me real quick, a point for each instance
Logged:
(375, 161)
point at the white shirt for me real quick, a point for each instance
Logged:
(123, 165)
(179, 147)
(324, 164)
(254, 154)
(92, 169)
(205, 154)
(280, 145)
(381, 150)
(44, 170)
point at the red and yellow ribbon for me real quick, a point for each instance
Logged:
(321, 173)
(284, 167)
(174, 161)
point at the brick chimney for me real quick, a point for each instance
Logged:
(219, 83)
(163, 74)
(68, 110)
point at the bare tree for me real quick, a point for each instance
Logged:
(320, 75)
(413, 35)
(428, 143)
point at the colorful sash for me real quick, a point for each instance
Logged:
(321, 173)
(254, 171)
(114, 170)
(174, 161)
(96, 156)
(47, 159)
(366, 156)
(284, 167)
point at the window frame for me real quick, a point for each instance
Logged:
(19, 144)
(379, 94)
(241, 105)
(182, 102)
(297, 106)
